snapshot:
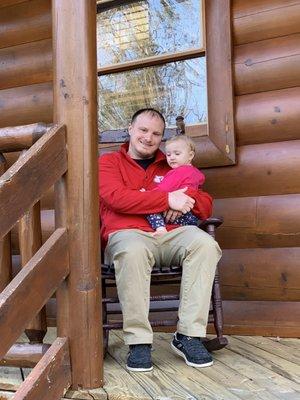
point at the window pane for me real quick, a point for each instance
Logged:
(147, 28)
(177, 88)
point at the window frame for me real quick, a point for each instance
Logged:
(215, 140)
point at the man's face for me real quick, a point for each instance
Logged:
(146, 134)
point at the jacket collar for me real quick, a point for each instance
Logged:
(160, 156)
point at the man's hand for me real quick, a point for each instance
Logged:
(180, 202)
(171, 215)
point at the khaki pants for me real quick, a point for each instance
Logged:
(134, 253)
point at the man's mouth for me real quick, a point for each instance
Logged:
(146, 145)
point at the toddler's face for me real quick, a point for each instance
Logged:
(178, 153)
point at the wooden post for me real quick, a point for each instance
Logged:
(75, 104)
(30, 239)
(5, 247)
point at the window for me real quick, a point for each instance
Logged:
(152, 53)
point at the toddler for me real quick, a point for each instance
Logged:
(180, 151)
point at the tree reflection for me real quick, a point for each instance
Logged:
(143, 29)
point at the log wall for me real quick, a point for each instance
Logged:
(258, 197)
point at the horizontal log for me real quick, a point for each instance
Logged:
(50, 377)
(267, 65)
(266, 318)
(26, 64)
(46, 161)
(7, 3)
(25, 22)
(30, 289)
(242, 8)
(267, 24)
(260, 274)
(16, 138)
(26, 105)
(267, 221)
(262, 170)
(268, 117)
(24, 355)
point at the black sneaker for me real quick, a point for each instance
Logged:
(139, 358)
(192, 350)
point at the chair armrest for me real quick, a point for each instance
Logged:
(215, 221)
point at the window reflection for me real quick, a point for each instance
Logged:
(177, 88)
(147, 28)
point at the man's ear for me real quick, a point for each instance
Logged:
(129, 129)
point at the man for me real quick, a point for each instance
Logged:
(132, 248)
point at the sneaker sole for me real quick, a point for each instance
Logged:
(139, 369)
(190, 364)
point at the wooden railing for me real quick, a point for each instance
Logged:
(21, 186)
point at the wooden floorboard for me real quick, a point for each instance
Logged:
(250, 368)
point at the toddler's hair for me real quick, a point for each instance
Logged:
(186, 139)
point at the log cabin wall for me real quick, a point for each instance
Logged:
(26, 78)
(259, 197)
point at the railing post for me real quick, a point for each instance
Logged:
(30, 239)
(75, 104)
(5, 246)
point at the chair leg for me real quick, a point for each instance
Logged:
(104, 319)
(220, 341)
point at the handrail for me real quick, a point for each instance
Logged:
(32, 287)
(50, 377)
(31, 175)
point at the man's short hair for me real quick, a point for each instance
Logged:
(151, 111)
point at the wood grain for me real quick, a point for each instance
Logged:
(267, 65)
(266, 24)
(26, 105)
(75, 105)
(25, 22)
(31, 175)
(266, 221)
(268, 117)
(26, 64)
(50, 377)
(5, 246)
(15, 138)
(30, 238)
(17, 307)
(260, 274)
(265, 318)
(262, 170)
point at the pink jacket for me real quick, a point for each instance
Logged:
(183, 176)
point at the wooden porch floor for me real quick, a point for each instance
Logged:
(249, 368)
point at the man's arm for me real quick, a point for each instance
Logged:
(114, 193)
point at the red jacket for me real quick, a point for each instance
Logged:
(123, 206)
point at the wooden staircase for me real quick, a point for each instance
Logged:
(21, 299)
